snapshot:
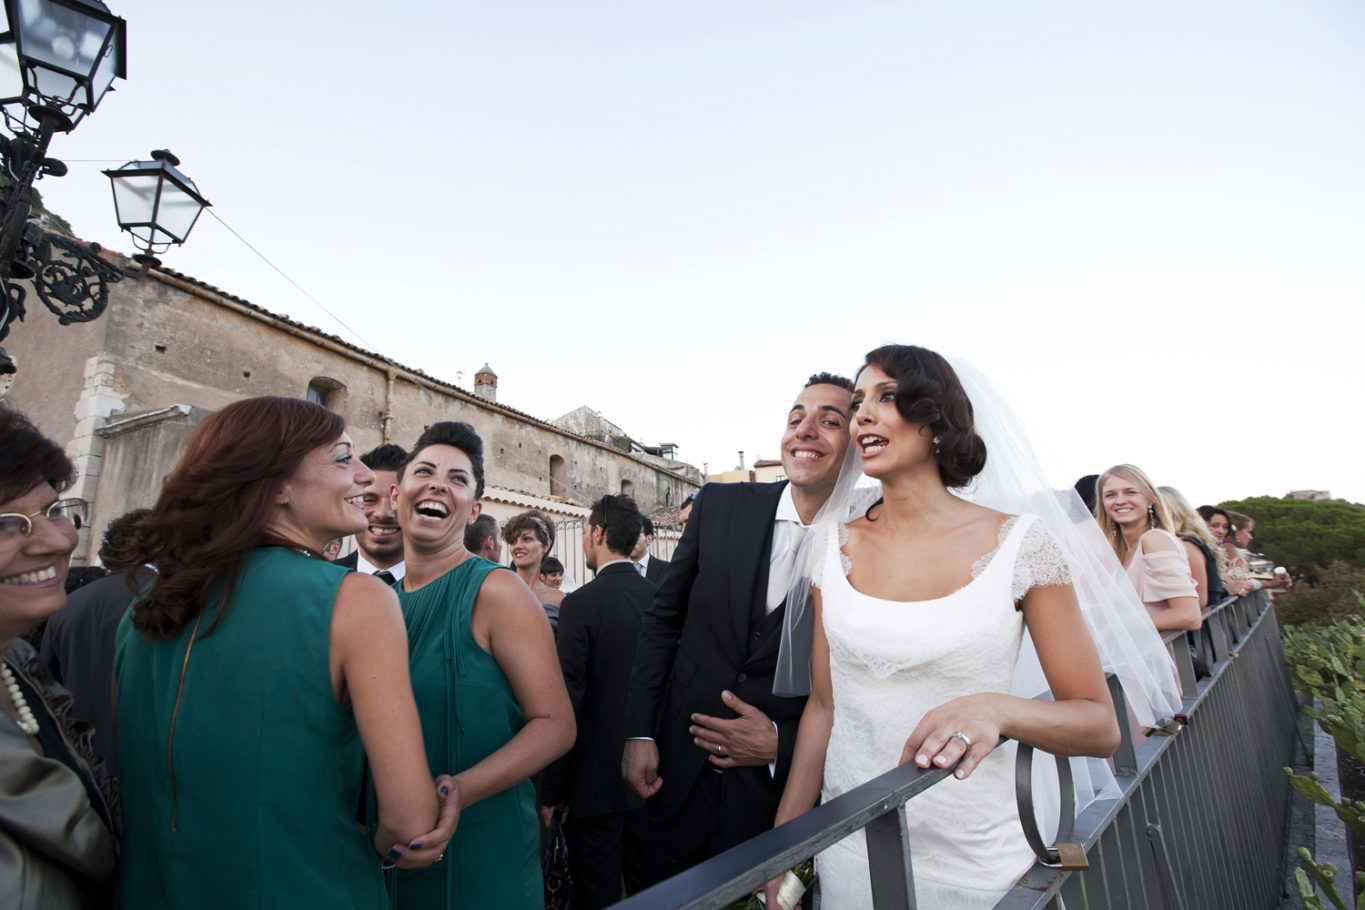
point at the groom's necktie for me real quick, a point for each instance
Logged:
(780, 575)
(385, 576)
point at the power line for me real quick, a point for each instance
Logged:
(363, 340)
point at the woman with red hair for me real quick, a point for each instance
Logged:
(255, 680)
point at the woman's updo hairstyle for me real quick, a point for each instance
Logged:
(533, 520)
(929, 393)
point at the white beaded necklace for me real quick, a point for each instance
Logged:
(27, 722)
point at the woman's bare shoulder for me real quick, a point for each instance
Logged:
(1156, 541)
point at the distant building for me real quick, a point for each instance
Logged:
(588, 422)
(763, 471)
(124, 391)
(767, 470)
(1312, 495)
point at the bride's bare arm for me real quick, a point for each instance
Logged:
(1080, 720)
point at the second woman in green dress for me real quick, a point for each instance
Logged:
(492, 702)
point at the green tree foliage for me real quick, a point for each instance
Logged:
(1333, 595)
(1304, 536)
(1328, 663)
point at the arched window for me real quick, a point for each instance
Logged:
(325, 391)
(627, 488)
(559, 477)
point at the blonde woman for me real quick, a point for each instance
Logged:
(1206, 559)
(1134, 518)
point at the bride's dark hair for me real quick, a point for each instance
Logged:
(929, 393)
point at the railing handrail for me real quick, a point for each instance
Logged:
(750, 864)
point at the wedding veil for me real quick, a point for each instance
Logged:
(1012, 482)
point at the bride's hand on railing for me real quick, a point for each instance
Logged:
(966, 728)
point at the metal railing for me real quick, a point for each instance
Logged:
(1198, 822)
(568, 547)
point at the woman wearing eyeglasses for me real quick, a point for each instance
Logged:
(58, 809)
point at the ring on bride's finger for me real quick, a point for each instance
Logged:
(962, 736)
(720, 750)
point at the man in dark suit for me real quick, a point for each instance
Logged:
(708, 744)
(379, 547)
(651, 568)
(599, 625)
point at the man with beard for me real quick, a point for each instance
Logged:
(379, 548)
(708, 743)
(481, 538)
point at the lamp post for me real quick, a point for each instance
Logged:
(66, 55)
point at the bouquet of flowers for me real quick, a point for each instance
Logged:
(794, 884)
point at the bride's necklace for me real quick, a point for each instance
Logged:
(27, 722)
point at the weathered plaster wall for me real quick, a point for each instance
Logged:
(166, 340)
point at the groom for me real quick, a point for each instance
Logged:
(708, 744)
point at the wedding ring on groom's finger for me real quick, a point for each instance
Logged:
(962, 736)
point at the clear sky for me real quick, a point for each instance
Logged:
(1146, 222)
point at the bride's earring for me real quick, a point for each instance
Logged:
(937, 440)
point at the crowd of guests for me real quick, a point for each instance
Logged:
(250, 723)
(1181, 560)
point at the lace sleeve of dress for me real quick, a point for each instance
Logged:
(1040, 562)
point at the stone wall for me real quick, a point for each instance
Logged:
(169, 340)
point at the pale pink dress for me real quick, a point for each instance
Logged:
(1160, 575)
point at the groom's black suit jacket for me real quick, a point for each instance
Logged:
(707, 631)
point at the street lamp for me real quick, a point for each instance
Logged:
(66, 55)
(155, 203)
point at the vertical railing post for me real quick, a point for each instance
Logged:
(1218, 634)
(1125, 756)
(888, 861)
(1184, 665)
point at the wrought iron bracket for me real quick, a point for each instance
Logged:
(71, 278)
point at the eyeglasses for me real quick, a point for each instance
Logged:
(15, 526)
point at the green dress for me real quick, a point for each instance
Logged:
(468, 712)
(252, 803)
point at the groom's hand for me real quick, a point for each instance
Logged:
(749, 739)
(640, 767)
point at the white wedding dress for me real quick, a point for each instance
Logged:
(890, 663)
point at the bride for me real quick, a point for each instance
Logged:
(920, 606)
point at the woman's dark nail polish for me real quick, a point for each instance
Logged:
(395, 853)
